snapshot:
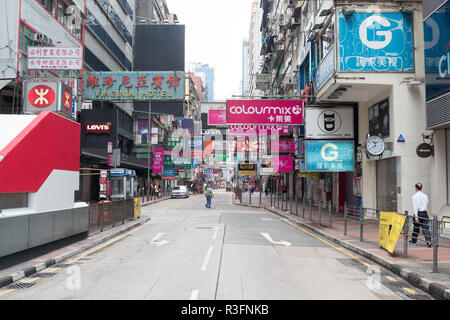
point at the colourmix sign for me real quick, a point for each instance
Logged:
(279, 112)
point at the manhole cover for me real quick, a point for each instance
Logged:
(44, 275)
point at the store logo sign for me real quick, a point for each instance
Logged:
(331, 155)
(369, 24)
(41, 96)
(98, 127)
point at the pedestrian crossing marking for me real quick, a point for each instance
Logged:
(391, 279)
(409, 290)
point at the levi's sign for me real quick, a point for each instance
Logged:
(98, 127)
(281, 112)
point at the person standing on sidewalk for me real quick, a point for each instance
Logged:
(420, 219)
(209, 195)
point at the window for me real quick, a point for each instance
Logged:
(26, 38)
(379, 119)
(327, 39)
(50, 6)
(62, 18)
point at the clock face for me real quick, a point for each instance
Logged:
(375, 145)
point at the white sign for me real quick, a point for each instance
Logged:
(55, 53)
(154, 135)
(55, 64)
(267, 165)
(329, 123)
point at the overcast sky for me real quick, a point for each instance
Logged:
(215, 30)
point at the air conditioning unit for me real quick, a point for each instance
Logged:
(295, 21)
(291, 3)
(69, 11)
(38, 37)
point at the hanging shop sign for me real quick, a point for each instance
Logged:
(134, 85)
(154, 139)
(283, 164)
(263, 81)
(246, 169)
(40, 58)
(280, 112)
(425, 150)
(217, 117)
(376, 42)
(329, 123)
(97, 127)
(282, 145)
(267, 165)
(48, 96)
(329, 156)
(158, 158)
(255, 130)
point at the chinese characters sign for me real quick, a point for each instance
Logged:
(255, 130)
(134, 85)
(217, 117)
(281, 112)
(376, 42)
(158, 154)
(55, 58)
(329, 156)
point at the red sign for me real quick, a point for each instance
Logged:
(67, 99)
(41, 96)
(282, 146)
(98, 127)
(281, 112)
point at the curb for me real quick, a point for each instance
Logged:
(153, 202)
(7, 280)
(433, 288)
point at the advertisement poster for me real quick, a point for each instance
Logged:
(329, 156)
(281, 112)
(158, 160)
(283, 164)
(217, 117)
(282, 146)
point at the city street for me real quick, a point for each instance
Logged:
(187, 251)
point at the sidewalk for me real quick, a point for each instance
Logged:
(416, 268)
(23, 264)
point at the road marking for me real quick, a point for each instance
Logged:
(159, 243)
(117, 239)
(268, 237)
(411, 291)
(391, 279)
(2, 293)
(326, 242)
(266, 219)
(206, 261)
(51, 270)
(194, 295)
(215, 232)
(29, 280)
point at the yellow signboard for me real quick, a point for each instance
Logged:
(308, 175)
(391, 225)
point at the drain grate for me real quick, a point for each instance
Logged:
(20, 285)
(44, 275)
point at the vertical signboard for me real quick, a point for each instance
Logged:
(158, 158)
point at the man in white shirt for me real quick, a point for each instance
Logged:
(420, 205)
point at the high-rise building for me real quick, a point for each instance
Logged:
(245, 67)
(207, 74)
(254, 53)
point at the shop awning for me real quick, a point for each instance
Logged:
(4, 83)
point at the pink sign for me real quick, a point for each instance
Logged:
(217, 117)
(282, 146)
(284, 112)
(253, 129)
(158, 160)
(283, 164)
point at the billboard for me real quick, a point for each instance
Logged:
(282, 145)
(329, 123)
(254, 129)
(329, 156)
(376, 42)
(271, 112)
(283, 164)
(246, 169)
(217, 117)
(134, 85)
(55, 58)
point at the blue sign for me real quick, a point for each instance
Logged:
(401, 139)
(325, 69)
(169, 172)
(437, 52)
(376, 42)
(329, 156)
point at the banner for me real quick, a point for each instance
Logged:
(391, 225)
(282, 112)
(158, 158)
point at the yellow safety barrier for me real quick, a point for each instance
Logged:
(391, 225)
(137, 208)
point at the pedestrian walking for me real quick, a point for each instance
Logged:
(420, 219)
(209, 195)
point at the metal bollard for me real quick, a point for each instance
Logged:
(103, 215)
(330, 215)
(303, 208)
(405, 235)
(271, 193)
(290, 200)
(435, 244)
(361, 224)
(296, 204)
(310, 209)
(320, 214)
(250, 195)
(345, 218)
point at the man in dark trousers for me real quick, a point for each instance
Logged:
(420, 206)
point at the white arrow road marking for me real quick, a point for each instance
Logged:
(215, 232)
(268, 237)
(159, 243)
(194, 295)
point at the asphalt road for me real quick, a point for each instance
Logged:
(187, 251)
